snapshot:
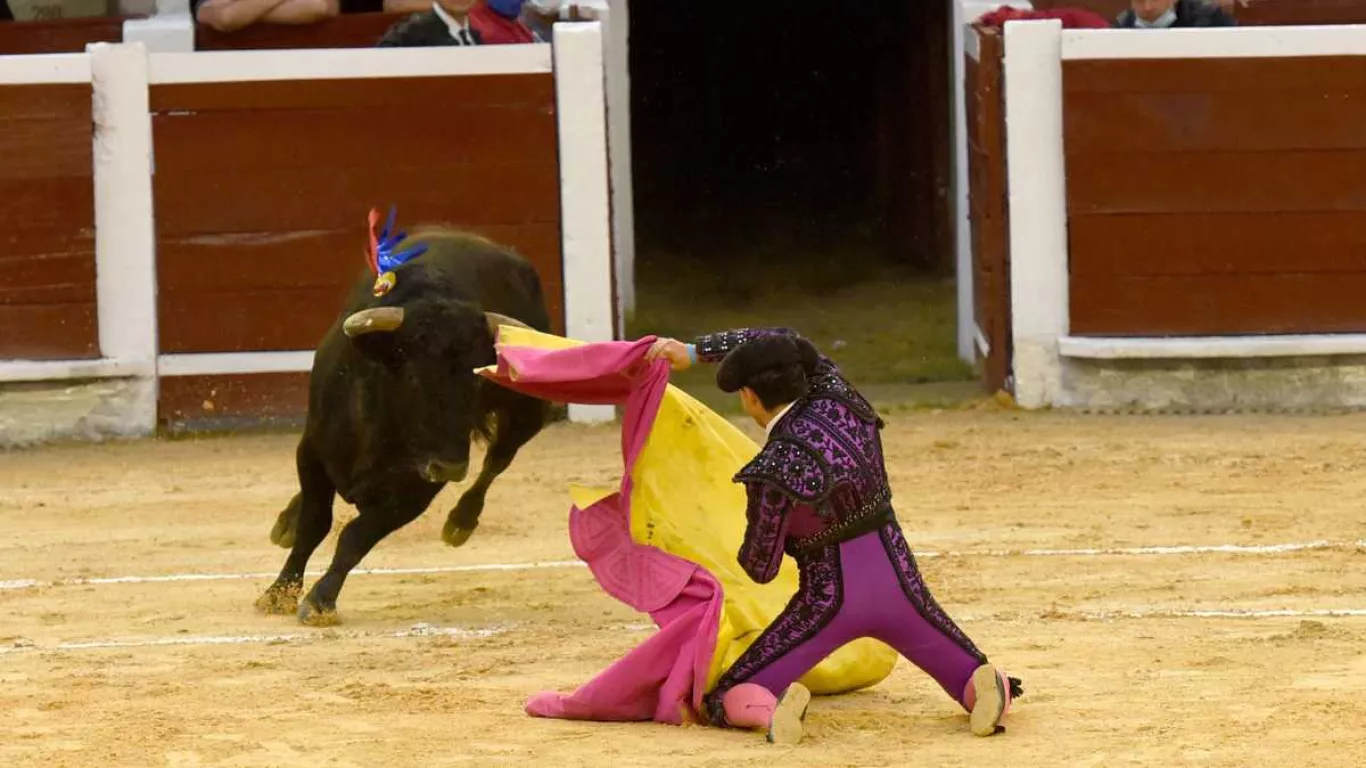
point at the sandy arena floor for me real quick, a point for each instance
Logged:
(1154, 658)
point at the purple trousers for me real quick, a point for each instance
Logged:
(868, 586)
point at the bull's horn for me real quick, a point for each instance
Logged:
(375, 320)
(494, 319)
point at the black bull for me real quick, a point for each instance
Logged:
(394, 402)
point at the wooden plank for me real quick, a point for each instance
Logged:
(46, 148)
(59, 35)
(350, 30)
(1321, 74)
(1233, 243)
(347, 138)
(46, 101)
(50, 203)
(236, 321)
(45, 134)
(48, 331)
(1211, 305)
(400, 94)
(279, 199)
(216, 401)
(274, 261)
(1215, 182)
(1299, 12)
(988, 207)
(278, 320)
(19, 245)
(1246, 121)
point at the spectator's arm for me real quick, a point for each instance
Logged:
(232, 15)
(406, 6)
(303, 11)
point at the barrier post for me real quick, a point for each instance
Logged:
(125, 237)
(585, 199)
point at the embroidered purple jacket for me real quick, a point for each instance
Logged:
(820, 478)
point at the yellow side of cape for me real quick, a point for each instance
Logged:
(685, 502)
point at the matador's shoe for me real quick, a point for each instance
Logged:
(752, 706)
(786, 727)
(988, 698)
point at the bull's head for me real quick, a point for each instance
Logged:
(424, 347)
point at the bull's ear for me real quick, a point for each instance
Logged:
(382, 348)
(373, 333)
(482, 352)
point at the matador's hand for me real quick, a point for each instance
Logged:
(676, 352)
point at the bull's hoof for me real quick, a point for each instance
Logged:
(286, 525)
(313, 615)
(280, 600)
(455, 536)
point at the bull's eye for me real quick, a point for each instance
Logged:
(384, 283)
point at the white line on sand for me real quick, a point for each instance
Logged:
(427, 630)
(1223, 549)
(417, 630)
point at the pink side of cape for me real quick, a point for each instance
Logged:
(663, 678)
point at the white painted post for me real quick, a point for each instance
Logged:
(585, 202)
(125, 237)
(1035, 173)
(617, 64)
(967, 316)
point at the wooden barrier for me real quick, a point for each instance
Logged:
(1216, 196)
(261, 229)
(199, 291)
(1190, 196)
(47, 297)
(988, 214)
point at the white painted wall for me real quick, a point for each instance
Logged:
(1038, 206)
(125, 234)
(616, 22)
(585, 199)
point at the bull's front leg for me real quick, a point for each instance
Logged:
(381, 514)
(519, 421)
(301, 527)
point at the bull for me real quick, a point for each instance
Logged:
(394, 403)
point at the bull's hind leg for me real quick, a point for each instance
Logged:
(517, 422)
(380, 515)
(302, 526)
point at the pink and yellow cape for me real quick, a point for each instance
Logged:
(665, 541)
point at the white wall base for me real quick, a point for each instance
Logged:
(1212, 347)
(79, 410)
(1298, 383)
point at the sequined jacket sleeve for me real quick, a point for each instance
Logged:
(713, 347)
(768, 514)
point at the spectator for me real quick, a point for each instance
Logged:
(457, 22)
(1166, 14)
(232, 15)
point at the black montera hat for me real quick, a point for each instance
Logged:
(752, 358)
